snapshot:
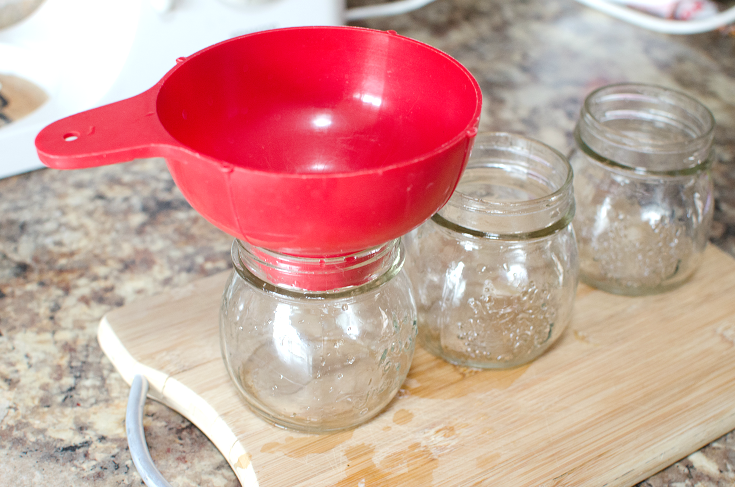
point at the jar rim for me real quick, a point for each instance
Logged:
(643, 172)
(541, 200)
(551, 229)
(663, 106)
(317, 277)
(517, 207)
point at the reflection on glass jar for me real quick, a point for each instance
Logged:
(643, 187)
(318, 344)
(495, 271)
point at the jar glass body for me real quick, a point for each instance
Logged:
(643, 187)
(324, 360)
(495, 271)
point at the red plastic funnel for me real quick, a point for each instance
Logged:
(307, 141)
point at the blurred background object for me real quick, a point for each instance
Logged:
(18, 98)
(683, 17)
(13, 11)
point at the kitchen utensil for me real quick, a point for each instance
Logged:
(634, 385)
(310, 141)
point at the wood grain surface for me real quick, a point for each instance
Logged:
(633, 385)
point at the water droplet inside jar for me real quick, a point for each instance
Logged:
(345, 307)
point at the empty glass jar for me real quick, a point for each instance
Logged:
(643, 187)
(495, 271)
(318, 344)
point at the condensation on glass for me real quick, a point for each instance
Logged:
(318, 344)
(643, 186)
(495, 271)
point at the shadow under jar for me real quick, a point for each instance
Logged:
(643, 187)
(495, 271)
(318, 344)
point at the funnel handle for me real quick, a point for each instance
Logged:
(118, 132)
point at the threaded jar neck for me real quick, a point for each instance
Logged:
(513, 188)
(268, 269)
(646, 129)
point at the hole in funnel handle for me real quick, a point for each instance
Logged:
(71, 136)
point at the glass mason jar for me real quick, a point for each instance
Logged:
(495, 271)
(318, 344)
(643, 187)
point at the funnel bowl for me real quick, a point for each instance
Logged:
(307, 141)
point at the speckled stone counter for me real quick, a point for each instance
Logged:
(74, 245)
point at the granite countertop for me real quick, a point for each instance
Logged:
(76, 244)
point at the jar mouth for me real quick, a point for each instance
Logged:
(316, 276)
(646, 128)
(513, 186)
(531, 173)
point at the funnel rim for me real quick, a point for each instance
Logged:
(468, 131)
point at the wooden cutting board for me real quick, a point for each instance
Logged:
(633, 385)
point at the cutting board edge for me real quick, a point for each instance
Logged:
(172, 393)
